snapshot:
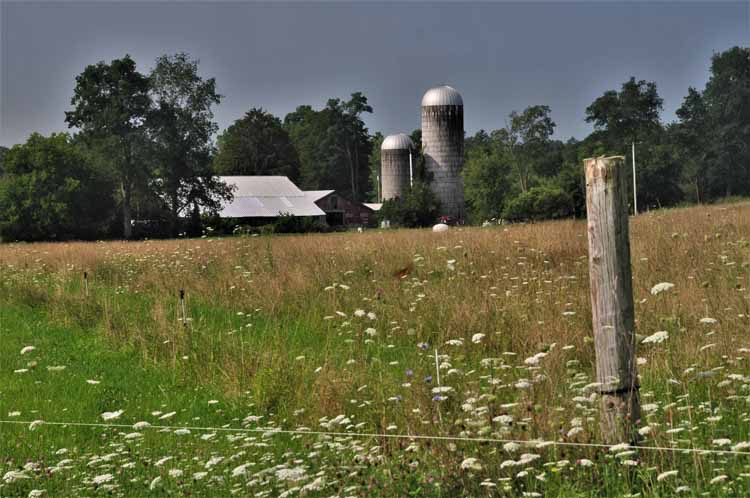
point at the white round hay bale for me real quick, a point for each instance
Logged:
(440, 227)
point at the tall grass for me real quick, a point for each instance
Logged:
(285, 319)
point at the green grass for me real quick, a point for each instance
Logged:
(279, 330)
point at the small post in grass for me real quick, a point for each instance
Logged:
(182, 306)
(612, 297)
(86, 283)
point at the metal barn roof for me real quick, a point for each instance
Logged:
(316, 195)
(266, 197)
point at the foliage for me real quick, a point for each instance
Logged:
(527, 139)
(181, 125)
(334, 146)
(487, 176)
(418, 208)
(3, 152)
(286, 223)
(51, 192)
(539, 203)
(110, 104)
(256, 144)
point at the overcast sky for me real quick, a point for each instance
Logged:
(501, 56)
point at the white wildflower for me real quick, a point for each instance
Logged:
(661, 287)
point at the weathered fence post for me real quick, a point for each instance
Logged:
(612, 297)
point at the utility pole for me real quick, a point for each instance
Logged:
(635, 198)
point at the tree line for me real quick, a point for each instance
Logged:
(143, 149)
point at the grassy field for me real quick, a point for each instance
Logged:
(339, 334)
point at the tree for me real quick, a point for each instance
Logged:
(375, 180)
(181, 126)
(257, 144)
(487, 176)
(3, 152)
(417, 208)
(629, 115)
(333, 145)
(50, 191)
(632, 116)
(110, 103)
(539, 203)
(692, 137)
(527, 138)
(727, 99)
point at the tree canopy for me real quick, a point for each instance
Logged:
(257, 144)
(51, 192)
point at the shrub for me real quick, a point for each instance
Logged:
(539, 203)
(418, 208)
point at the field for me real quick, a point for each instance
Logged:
(303, 364)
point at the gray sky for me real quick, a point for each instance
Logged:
(501, 56)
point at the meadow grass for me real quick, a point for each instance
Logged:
(339, 333)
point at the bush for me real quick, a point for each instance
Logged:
(418, 208)
(539, 203)
(51, 191)
(287, 223)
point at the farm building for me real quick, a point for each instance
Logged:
(265, 197)
(340, 210)
(262, 198)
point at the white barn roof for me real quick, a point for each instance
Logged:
(266, 197)
(317, 195)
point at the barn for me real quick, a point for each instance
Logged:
(260, 199)
(263, 198)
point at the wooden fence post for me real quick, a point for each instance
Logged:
(612, 297)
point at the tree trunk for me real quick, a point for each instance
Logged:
(175, 219)
(127, 193)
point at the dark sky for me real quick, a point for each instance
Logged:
(501, 56)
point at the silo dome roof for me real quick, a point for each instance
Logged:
(397, 141)
(442, 95)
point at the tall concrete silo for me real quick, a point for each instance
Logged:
(395, 165)
(443, 146)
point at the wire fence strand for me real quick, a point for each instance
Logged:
(368, 435)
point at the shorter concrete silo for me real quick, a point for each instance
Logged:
(395, 165)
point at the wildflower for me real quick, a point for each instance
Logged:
(294, 474)
(36, 423)
(471, 464)
(93, 382)
(584, 462)
(477, 338)
(36, 493)
(199, 475)
(718, 479)
(141, 425)
(423, 346)
(13, 476)
(359, 313)
(371, 315)
(661, 287)
(175, 473)
(511, 447)
(744, 445)
(371, 332)
(708, 320)
(656, 338)
(154, 483)
(102, 479)
(722, 442)
(112, 415)
(27, 349)
(666, 475)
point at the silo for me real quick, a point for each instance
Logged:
(394, 165)
(443, 146)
